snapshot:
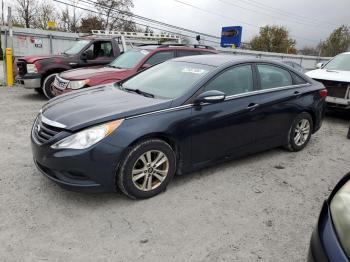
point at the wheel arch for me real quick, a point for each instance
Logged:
(50, 72)
(313, 117)
(173, 143)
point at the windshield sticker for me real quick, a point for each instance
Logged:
(197, 71)
(144, 52)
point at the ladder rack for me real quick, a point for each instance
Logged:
(138, 37)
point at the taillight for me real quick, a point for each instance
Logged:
(323, 93)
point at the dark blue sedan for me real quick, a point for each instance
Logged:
(330, 241)
(174, 118)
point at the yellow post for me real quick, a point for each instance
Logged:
(9, 66)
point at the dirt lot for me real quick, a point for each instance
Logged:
(259, 208)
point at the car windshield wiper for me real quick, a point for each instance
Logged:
(118, 67)
(138, 91)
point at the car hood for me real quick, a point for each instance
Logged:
(35, 58)
(93, 73)
(333, 75)
(96, 105)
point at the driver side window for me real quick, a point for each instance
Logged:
(100, 49)
(234, 81)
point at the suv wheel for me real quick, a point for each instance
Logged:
(47, 86)
(147, 169)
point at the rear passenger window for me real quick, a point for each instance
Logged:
(298, 80)
(237, 80)
(187, 53)
(273, 76)
(160, 57)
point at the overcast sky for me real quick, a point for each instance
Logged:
(309, 21)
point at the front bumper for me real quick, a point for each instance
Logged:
(89, 170)
(324, 245)
(29, 81)
(338, 102)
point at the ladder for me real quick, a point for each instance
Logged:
(139, 38)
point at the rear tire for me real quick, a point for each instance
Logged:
(300, 132)
(146, 169)
(47, 86)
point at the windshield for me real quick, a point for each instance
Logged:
(168, 80)
(129, 59)
(340, 62)
(77, 47)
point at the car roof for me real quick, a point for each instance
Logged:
(214, 59)
(217, 60)
(174, 47)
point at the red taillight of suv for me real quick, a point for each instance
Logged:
(323, 92)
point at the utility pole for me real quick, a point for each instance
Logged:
(2, 13)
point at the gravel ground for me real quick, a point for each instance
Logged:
(258, 208)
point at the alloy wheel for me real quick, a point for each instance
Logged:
(150, 170)
(302, 132)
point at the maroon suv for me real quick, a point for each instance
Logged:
(124, 66)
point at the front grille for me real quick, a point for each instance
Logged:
(336, 89)
(42, 132)
(60, 83)
(22, 67)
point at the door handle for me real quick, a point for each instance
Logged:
(252, 106)
(296, 93)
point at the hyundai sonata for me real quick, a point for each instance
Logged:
(172, 118)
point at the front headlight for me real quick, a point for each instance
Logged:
(31, 68)
(78, 84)
(88, 137)
(340, 210)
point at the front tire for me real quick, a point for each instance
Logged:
(47, 86)
(300, 132)
(147, 169)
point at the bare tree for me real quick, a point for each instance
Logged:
(309, 50)
(46, 12)
(27, 11)
(116, 14)
(70, 19)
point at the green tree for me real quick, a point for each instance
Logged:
(337, 42)
(90, 23)
(274, 39)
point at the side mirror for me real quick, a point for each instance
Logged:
(319, 65)
(211, 97)
(87, 55)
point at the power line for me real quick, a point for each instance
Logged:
(295, 20)
(283, 12)
(151, 20)
(145, 25)
(232, 19)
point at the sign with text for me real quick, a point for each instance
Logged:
(231, 36)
